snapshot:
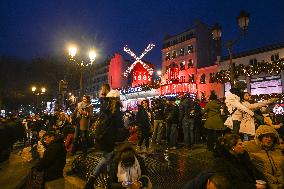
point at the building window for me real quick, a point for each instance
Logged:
(181, 52)
(190, 64)
(174, 54)
(182, 65)
(173, 72)
(168, 56)
(203, 79)
(190, 49)
(182, 79)
(191, 78)
(275, 57)
(253, 62)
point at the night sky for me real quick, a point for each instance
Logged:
(34, 28)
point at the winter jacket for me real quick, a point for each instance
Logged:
(232, 102)
(214, 120)
(239, 170)
(236, 109)
(53, 161)
(247, 124)
(142, 119)
(158, 111)
(112, 181)
(270, 122)
(106, 133)
(188, 109)
(270, 162)
(172, 114)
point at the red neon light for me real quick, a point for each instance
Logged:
(140, 75)
(178, 88)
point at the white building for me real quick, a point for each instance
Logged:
(262, 83)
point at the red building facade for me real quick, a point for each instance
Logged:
(116, 68)
(140, 74)
(183, 57)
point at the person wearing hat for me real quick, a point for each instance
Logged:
(235, 107)
(265, 153)
(106, 134)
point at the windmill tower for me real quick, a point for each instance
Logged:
(141, 72)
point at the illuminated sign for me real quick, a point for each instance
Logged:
(131, 90)
(141, 76)
(178, 88)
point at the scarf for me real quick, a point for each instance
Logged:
(131, 174)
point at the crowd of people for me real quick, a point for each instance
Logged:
(245, 138)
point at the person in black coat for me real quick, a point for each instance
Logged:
(232, 161)
(106, 134)
(143, 121)
(54, 158)
(172, 120)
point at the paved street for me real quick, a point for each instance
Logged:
(167, 169)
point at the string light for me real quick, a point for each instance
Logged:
(149, 69)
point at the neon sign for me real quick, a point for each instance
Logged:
(131, 90)
(178, 88)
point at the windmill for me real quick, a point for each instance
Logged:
(149, 69)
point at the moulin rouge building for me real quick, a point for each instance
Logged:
(190, 60)
(186, 60)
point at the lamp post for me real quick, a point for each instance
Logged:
(81, 64)
(38, 92)
(243, 21)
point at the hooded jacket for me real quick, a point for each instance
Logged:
(269, 161)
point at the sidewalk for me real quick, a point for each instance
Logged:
(164, 166)
(13, 172)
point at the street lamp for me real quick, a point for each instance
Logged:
(92, 57)
(33, 89)
(38, 92)
(43, 90)
(243, 21)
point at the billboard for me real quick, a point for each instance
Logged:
(266, 85)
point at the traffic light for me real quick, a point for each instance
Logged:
(62, 86)
(65, 85)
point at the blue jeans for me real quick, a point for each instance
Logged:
(188, 131)
(172, 134)
(104, 162)
(159, 128)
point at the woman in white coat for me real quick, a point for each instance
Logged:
(236, 110)
(247, 124)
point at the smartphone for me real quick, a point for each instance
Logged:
(128, 183)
